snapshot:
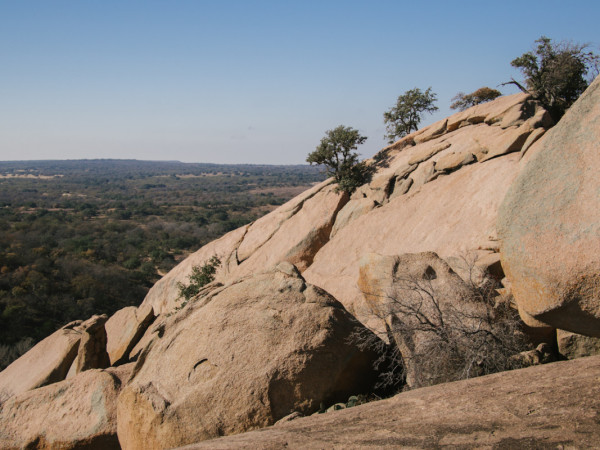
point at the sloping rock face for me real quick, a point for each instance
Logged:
(242, 357)
(294, 232)
(437, 189)
(515, 409)
(550, 224)
(77, 413)
(47, 362)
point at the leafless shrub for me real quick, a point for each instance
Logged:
(433, 337)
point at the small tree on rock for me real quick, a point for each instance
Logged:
(404, 117)
(336, 153)
(462, 101)
(556, 74)
(200, 277)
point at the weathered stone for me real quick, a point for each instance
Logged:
(47, 362)
(517, 115)
(154, 330)
(510, 141)
(549, 406)
(422, 174)
(572, 345)
(352, 211)
(532, 139)
(164, 296)
(293, 416)
(92, 346)
(296, 239)
(404, 171)
(474, 268)
(401, 187)
(264, 228)
(243, 357)
(426, 152)
(72, 414)
(452, 161)
(377, 190)
(550, 227)
(542, 354)
(124, 329)
(451, 216)
(431, 132)
(298, 231)
(489, 112)
(507, 112)
(406, 141)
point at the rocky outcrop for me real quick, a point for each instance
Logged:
(254, 347)
(124, 329)
(515, 409)
(437, 189)
(550, 225)
(241, 357)
(47, 362)
(77, 413)
(92, 347)
(294, 232)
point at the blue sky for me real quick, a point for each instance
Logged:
(247, 81)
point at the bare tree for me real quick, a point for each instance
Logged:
(433, 336)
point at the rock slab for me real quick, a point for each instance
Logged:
(47, 362)
(549, 223)
(516, 409)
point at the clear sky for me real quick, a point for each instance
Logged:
(247, 81)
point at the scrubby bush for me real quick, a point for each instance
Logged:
(479, 335)
(462, 101)
(200, 277)
(8, 353)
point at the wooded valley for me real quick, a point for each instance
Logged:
(87, 237)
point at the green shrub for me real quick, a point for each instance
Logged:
(556, 73)
(336, 153)
(462, 101)
(200, 277)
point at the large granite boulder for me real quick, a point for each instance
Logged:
(294, 232)
(242, 357)
(47, 362)
(549, 223)
(72, 414)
